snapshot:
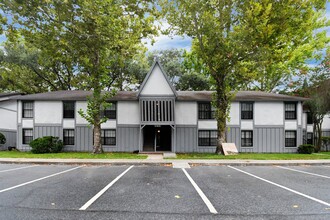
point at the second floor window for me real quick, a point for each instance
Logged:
(27, 110)
(246, 110)
(309, 118)
(290, 110)
(68, 109)
(110, 112)
(206, 111)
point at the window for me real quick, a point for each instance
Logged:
(108, 137)
(309, 138)
(68, 136)
(247, 138)
(68, 109)
(27, 111)
(109, 112)
(246, 110)
(27, 136)
(309, 118)
(206, 111)
(290, 110)
(290, 138)
(207, 138)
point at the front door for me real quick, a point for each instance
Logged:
(157, 138)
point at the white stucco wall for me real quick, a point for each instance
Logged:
(80, 105)
(128, 112)
(68, 123)
(326, 122)
(247, 124)
(309, 128)
(157, 84)
(48, 112)
(207, 124)
(299, 112)
(109, 124)
(27, 123)
(290, 125)
(8, 115)
(186, 113)
(234, 114)
(19, 112)
(269, 113)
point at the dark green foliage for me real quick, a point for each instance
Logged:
(2, 139)
(47, 144)
(306, 149)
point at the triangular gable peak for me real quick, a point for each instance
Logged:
(157, 83)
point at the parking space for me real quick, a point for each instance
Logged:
(163, 192)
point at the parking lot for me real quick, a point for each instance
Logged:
(150, 192)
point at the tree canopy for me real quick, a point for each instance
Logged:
(90, 37)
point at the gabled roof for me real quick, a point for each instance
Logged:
(79, 95)
(156, 62)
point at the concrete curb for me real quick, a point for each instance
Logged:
(166, 162)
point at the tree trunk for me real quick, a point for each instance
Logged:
(222, 103)
(319, 138)
(97, 148)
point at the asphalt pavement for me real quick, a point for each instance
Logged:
(30, 191)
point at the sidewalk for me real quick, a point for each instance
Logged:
(165, 162)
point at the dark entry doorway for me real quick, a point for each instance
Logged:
(157, 138)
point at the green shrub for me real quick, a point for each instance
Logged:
(325, 140)
(306, 149)
(47, 144)
(2, 139)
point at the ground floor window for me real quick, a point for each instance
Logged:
(68, 136)
(290, 138)
(108, 137)
(246, 138)
(309, 138)
(27, 136)
(207, 138)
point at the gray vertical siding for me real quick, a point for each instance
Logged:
(234, 136)
(41, 131)
(10, 138)
(186, 138)
(83, 140)
(127, 139)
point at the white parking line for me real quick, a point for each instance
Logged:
(314, 174)
(201, 194)
(19, 168)
(283, 187)
(94, 198)
(36, 180)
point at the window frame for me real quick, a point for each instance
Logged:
(209, 137)
(286, 141)
(24, 110)
(247, 111)
(210, 114)
(72, 115)
(309, 118)
(24, 136)
(245, 131)
(286, 112)
(104, 138)
(69, 140)
(112, 113)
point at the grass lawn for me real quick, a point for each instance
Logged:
(257, 156)
(71, 155)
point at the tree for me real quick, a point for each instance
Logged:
(319, 106)
(171, 60)
(24, 69)
(94, 36)
(233, 37)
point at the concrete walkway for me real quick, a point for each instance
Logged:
(166, 162)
